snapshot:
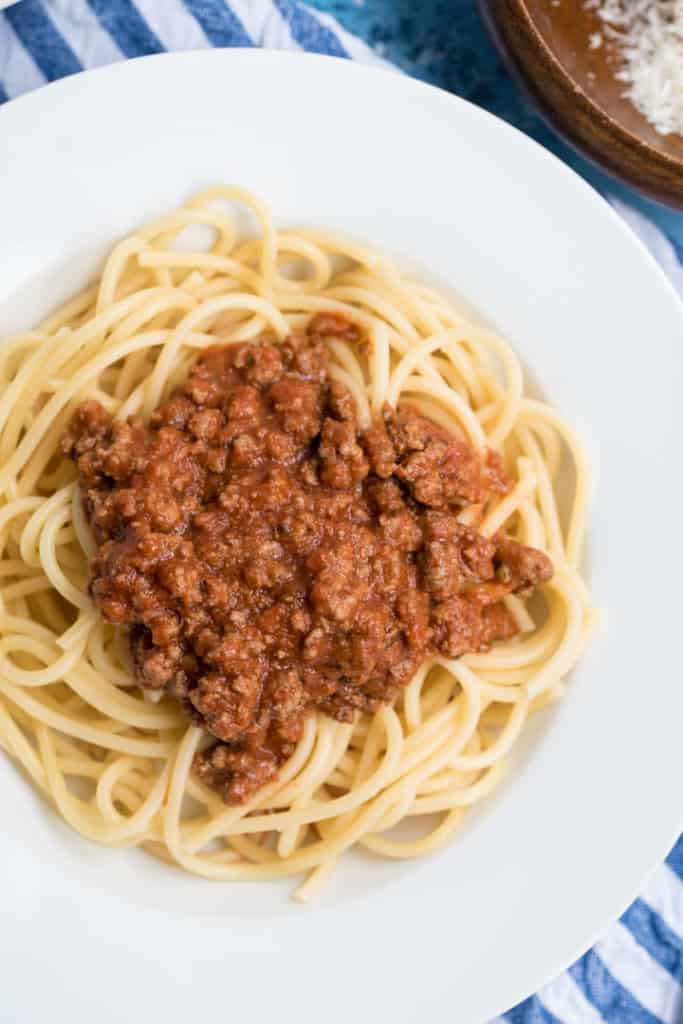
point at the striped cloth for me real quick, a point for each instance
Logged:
(634, 975)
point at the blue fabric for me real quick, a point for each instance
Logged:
(675, 858)
(654, 935)
(126, 26)
(612, 1000)
(220, 25)
(634, 975)
(531, 1011)
(308, 31)
(49, 49)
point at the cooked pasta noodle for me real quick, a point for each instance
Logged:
(117, 766)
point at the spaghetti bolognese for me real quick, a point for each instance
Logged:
(282, 558)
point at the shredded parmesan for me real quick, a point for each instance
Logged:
(649, 36)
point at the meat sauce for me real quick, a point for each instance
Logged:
(271, 558)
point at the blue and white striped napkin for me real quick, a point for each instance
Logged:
(634, 975)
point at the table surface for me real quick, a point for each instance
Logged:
(443, 42)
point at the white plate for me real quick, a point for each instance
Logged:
(594, 801)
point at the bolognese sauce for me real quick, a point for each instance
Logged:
(270, 557)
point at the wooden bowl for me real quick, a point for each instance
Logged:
(546, 47)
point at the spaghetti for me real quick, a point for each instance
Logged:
(118, 767)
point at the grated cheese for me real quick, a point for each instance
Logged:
(649, 35)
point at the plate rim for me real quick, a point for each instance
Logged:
(265, 55)
(381, 71)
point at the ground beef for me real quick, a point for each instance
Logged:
(269, 558)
